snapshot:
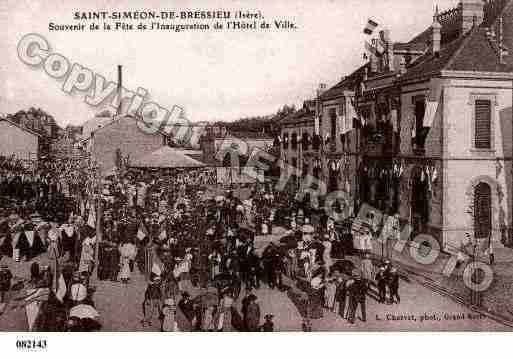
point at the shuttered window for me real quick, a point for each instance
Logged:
(482, 210)
(333, 120)
(483, 128)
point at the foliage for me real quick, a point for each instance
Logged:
(268, 124)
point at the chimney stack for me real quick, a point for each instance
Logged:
(389, 49)
(437, 33)
(373, 63)
(472, 14)
(320, 90)
(120, 87)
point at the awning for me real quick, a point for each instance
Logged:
(167, 157)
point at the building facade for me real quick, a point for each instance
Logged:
(122, 134)
(18, 141)
(437, 131)
(424, 128)
(300, 148)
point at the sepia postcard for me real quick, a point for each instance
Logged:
(255, 166)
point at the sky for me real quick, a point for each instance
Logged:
(212, 75)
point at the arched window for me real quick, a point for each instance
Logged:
(482, 210)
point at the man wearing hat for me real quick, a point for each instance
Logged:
(152, 300)
(394, 286)
(357, 295)
(5, 281)
(187, 306)
(381, 284)
(268, 325)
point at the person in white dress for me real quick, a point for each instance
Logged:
(128, 252)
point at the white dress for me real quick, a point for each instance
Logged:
(326, 255)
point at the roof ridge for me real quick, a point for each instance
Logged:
(21, 127)
(464, 43)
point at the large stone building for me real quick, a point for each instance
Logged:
(433, 134)
(299, 144)
(438, 128)
(121, 133)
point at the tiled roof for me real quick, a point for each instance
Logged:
(347, 84)
(252, 135)
(429, 62)
(21, 127)
(465, 58)
(301, 115)
(410, 46)
(460, 55)
(166, 157)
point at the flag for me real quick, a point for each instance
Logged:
(91, 219)
(352, 111)
(370, 27)
(380, 46)
(394, 120)
(371, 49)
(61, 288)
(431, 107)
(156, 264)
(142, 232)
(156, 269)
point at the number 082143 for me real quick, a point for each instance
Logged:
(31, 344)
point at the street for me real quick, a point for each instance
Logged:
(421, 309)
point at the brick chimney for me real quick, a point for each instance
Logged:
(472, 14)
(437, 34)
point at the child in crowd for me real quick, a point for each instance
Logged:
(5, 282)
(268, 325)
(152, 301)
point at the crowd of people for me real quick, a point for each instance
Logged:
(183, 237)
(43, 186)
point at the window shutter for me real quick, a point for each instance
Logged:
(482, 210)
(483, 130)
